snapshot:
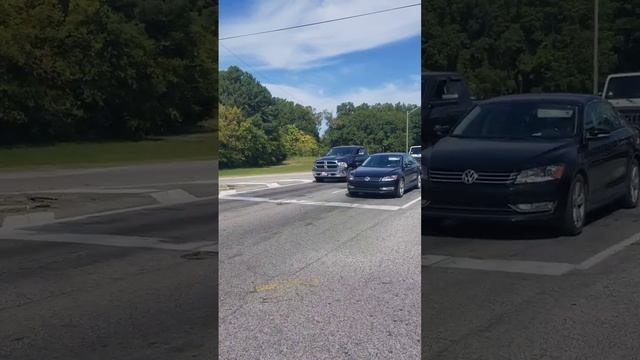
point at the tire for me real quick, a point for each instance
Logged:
(574, 216)
(400, 188)
(319, 180)
(632, 192)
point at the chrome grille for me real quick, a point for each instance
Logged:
(632, 116)
(326, 164)
(361, 178)
(483, 177)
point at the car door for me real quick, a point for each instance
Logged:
(623, 141)
(410, 170)
(598, 152)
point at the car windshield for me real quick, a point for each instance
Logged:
(627, 87)
(415, 150)
(340, 151)
(383, 161)
(535, 119)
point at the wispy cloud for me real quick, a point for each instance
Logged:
(404, 92)
(316, 45)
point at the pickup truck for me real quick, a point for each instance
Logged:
(623, 92)
(445, 99)
(339, 162)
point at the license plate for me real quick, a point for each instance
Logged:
(323, 174)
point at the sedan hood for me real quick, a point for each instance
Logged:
(375, 172)
(459, 154)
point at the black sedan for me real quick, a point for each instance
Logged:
(550, 157)
(385, 173)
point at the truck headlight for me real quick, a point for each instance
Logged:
(351, 177)
(342, 164)
(389, 178)
(541, 174)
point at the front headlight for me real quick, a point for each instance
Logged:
(342, 164)
(389, 178)
(541, 174)
(350, 176)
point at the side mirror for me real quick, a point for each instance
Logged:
(596, 134)
(450, 97)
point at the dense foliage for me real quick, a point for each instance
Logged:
(95, 69)
(257, 129)
(519, 46)
(379, 127)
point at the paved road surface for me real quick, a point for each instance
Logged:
(125, 176)
(310, 273)
(492, 292)
(133, 285)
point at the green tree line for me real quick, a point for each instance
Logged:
(507, 46)
(379, 127)
(258, 129)
(98, 69)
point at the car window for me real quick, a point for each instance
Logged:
(602, 117)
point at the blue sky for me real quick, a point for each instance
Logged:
(369, 59)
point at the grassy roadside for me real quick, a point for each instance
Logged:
(172, 148)
(295, 164)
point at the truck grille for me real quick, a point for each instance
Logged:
(632, 116)
(483, 177)
(326, 164)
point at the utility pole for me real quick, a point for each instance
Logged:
(595, 46)
(407, 141)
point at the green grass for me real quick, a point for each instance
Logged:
(65, 155)
(295, 164)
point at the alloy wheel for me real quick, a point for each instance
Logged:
(634, 184)
(578, 204)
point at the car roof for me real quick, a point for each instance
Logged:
(562, 97)
(389, 153)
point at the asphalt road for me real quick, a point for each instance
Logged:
(131, 285)
(310, 273)
(122, 176)
(498, 292)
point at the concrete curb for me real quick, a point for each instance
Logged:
(32, 219)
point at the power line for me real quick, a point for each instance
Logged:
(260, 74)
(318, 22)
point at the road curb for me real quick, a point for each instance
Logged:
(32, 219)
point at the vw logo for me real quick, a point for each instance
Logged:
(367, 178)
(469, 176)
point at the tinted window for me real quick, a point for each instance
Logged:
(521, 119)
(340, 151)
(382, 161)
(606, 117)
(627, 87)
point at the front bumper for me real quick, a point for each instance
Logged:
(492, 202)
(330, 173)
(372, 187)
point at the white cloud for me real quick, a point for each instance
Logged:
(316, 45)
(408, 93)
